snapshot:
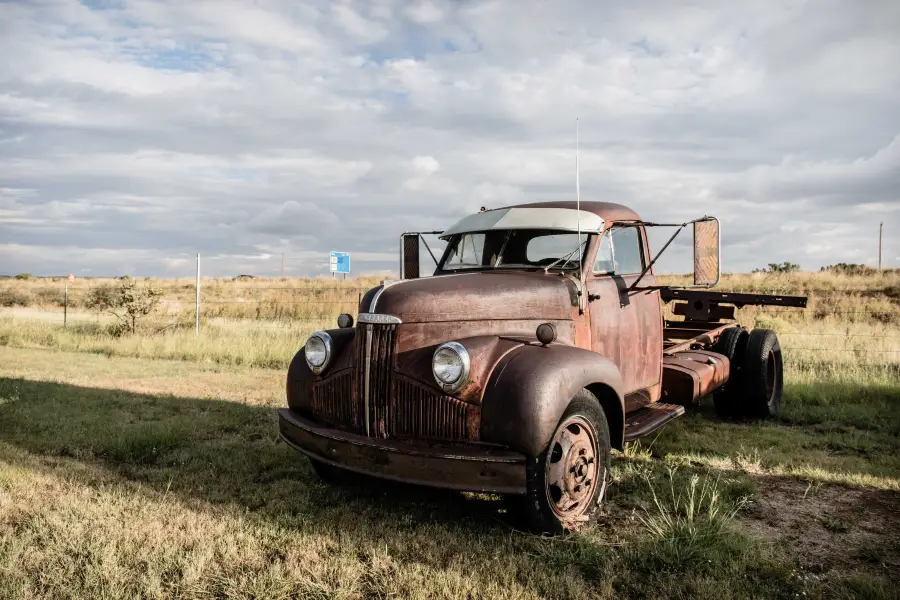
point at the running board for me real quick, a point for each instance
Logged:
(648, 419)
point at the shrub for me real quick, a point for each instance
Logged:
(100, 298)
(785, 267)
(24, 276)
(850, 269)
(53, 297)
(127, 301)
(14, 298)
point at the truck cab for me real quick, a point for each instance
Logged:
(537, 346)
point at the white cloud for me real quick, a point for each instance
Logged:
(424, 13)
(136, 135)
(426, 164)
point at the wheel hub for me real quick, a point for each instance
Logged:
(572, 468)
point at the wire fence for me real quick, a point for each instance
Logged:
(280, 307)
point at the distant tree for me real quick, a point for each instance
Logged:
(850, 269)
(100, 298)
(24, 276)
(127, 301)
(785, 267)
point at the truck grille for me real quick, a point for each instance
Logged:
(397, 406)
(332, 401)
(374, 371)
(419, 412)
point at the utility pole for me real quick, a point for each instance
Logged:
(197, 320)
(880, 226)
(282, 266)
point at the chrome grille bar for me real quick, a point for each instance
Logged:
(367, 375)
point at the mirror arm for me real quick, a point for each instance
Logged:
(655, 258)
(422, 239)
(427, 247)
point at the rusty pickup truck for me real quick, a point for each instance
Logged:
(538, 345)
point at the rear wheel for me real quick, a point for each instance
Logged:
(567, 482)
(732, 344)
(763, 375)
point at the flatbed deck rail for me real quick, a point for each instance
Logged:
(704, 311)
(739, 299)
(712, 307)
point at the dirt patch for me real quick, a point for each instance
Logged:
(828, 527)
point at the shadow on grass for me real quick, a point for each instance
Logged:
(210, 450)
(228, 452)
(844, 429)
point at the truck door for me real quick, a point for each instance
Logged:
(627, 326)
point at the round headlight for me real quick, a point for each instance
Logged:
(318, 351)
(450, 365)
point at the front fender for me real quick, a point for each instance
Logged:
(300, 378)
(531, 388)
(485, 352)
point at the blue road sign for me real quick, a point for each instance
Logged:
(339, 262)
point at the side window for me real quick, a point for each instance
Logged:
(626, 243)
(604, 262)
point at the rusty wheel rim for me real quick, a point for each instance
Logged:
(572, 469)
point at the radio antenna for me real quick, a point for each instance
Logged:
(578, 202)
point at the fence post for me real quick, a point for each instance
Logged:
(66, 307)
(197, 310)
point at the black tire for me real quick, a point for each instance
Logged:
(327, 473)
(583, 420)
(762, 375)
(732, 344)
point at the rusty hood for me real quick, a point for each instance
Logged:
(492, 295)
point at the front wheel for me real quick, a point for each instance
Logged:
(567, 482)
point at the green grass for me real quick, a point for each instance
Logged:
(832, 430)
(268, 345)
(123, 477)
(125, 474)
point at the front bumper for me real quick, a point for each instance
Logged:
(468, 468)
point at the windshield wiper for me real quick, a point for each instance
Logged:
(502, 248)
(564, 258)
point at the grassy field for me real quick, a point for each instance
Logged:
(127, 474)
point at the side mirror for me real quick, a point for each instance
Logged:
(706, 252)
(409, 256)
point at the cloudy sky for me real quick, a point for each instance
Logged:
(136, 133)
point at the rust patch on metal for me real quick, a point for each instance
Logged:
(461, 467)
(706, 252)
(332, 401)
(690, 375)
(419, 412)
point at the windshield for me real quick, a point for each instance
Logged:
(529, 248)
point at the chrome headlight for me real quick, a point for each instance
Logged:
(450, 365)
(318, 351)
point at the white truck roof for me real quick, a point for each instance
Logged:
(558, 219)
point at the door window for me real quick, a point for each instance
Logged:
(626, 243)
(620, 252)
(605, 263)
